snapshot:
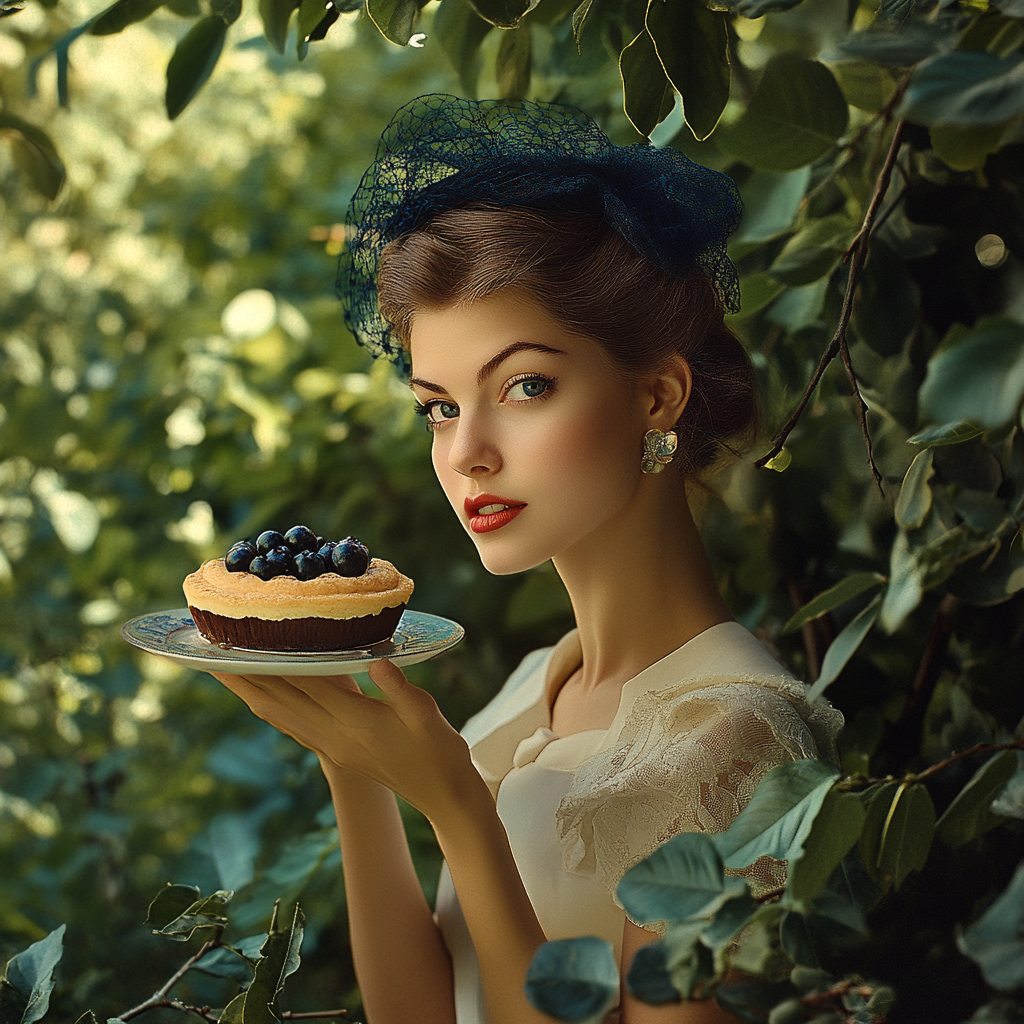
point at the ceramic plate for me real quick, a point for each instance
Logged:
(173, 635)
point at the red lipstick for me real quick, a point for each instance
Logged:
(489, 512)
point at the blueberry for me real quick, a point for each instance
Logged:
(258, 567)
(280, 561)
(325, 551)
(300, 538)
(267, 541)
(239, 557)
(350, 557)
(320, 541)
(309, 565)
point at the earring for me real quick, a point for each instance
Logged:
(659, 450)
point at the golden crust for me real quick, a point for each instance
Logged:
(240, 595)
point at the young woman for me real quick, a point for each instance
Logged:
(559, 301)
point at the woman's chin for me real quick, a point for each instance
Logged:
(506, 560)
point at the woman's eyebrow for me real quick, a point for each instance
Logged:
(427, 386)
(509, 350)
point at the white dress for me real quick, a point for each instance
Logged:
(693, 735)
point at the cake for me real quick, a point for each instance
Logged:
(325, 596)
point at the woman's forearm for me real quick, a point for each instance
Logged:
(402, 965)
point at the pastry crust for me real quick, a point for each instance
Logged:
(240, 595)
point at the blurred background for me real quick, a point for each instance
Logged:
(175, 375)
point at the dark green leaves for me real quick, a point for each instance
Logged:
(684, 878)
(513, 63)
(945, 434)
(35, 153)
(836, 829)
(978, 378)
(193, 62)
(845, 645)
(898, 831)
(970, 814)
(460, 31)
(915, 495)
(394, 18)
(996, 941)
(692, 44)
(275, 15)
(842, 592)
(503, 13)
(123, 14)
(28, 981)
(573, 979)
(279, 957)
(965, 88)
(795, 116)
(647, 93)
(178, 911)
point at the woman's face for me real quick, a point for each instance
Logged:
(537, 438)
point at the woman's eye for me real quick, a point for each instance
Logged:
(438, 413)
(532, 387)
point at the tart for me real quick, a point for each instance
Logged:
(328, 613)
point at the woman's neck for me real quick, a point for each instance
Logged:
(641, 586)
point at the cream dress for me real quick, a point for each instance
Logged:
(694, 734)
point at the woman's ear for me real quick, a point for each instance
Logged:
(669, 391)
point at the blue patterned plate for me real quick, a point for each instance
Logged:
(173, 635)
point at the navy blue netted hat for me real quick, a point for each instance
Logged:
(440, 152)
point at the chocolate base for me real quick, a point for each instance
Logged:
(309, 634)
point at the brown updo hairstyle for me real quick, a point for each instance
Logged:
(591, 281)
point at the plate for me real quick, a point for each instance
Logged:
(173, 635)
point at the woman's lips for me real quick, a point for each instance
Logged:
(489, 512)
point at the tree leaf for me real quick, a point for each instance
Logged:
(503, 13)
(915, 498)
(965, 87)
(771, 201)
(513, 62)
(945, 434)
(311, 13)
(845, 590)
(779, 816)
(229, 10)
(573, 979)
(970, 814)
(729, 919)
(193, 61)
(30, 975)
(843, 648)
(1009, 802)
(756, 291)
(647, 94)
(755, 8)
(904, 592)
(796, 115)
(907, 833)
(648, 978)
(202, 913)
(39, 157)
(275, 15)
(684, 878)
(901, 49)
(579, 17)
(692, 44)
(995, 942)
(866, 86)
(978, 378)
(170, 903)
(459, 31)
(814, 251)
(394, 18)
(967, 147)
(279, 958)
(123, 14)
(837, 827)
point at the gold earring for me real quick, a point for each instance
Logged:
(659, 450)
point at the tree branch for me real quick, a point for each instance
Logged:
(857, 255)
(159, 998)
(978, 748)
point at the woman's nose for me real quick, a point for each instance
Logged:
(473, 452)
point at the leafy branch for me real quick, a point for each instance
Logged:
(160, 997)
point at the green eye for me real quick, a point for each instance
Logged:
(527, 388)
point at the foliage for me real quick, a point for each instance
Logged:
(175, 376)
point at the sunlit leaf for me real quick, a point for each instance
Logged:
(967, 147)
(512, 66)
(395, 19)
(276, 14)
(573, 979)
(945, 434)
(648, 95)
(193, 62)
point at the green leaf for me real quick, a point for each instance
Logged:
(684, 878)
(311, 13)
(866, 86)
(579, 17)
(756, 291)
(503, 13)
(395, 19)
(730, 918)
(229, 10)
(279, 958)
(845, 590)
(232, 1013)
(771, 201)
(573, 979)
(843, 648)
(814, 251)
(28, 980)
(779, 816)
(275, 15)
(796, 115)
(36, 155)
(193, 61)
(970, 814)
(978, 378)
(459, 31)
(692, 44)
(648, 978)
(906, 833)
(945, 434)
(647, 94)
(200, 914)
(965, 87)
(967, 147)
(797, 308)
(780, 463)
(512, 66)
(123, 14)
(996, 940)
(915, 498)
(837, 827)
(904, 592)
(170, 903)
(755, 8)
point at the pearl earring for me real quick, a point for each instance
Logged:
(659, 450)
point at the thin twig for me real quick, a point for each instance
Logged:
(288, 1015)
(837, 992)
(857, 254)
(978, 748)
(159, 998)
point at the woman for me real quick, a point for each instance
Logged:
(559, 301)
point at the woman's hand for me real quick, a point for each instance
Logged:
(402, 742)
